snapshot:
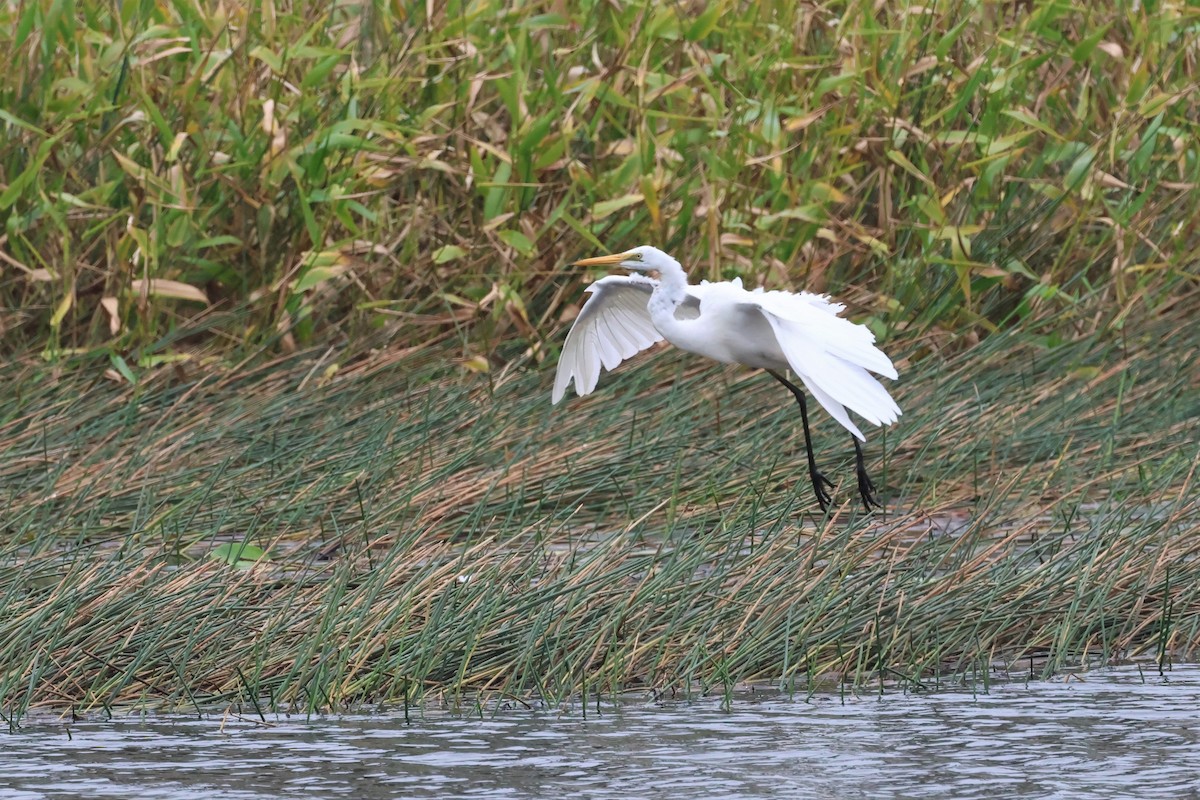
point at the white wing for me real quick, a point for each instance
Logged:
(612, 326)
(831, 355)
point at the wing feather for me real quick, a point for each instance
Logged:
(818, 317)
(835, 409)
(832, 356)
(612, 326)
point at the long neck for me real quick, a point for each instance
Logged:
(669, 295)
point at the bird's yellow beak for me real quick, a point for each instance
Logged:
(597, 261)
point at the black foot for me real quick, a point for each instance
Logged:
(866, 489)
(820, 483)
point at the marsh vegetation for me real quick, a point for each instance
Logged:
(282, 292)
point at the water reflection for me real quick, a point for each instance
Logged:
(1113, 734)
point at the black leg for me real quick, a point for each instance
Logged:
(866, 489)
(819, 482)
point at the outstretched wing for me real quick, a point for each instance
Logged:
(834, 357)
(612, 326)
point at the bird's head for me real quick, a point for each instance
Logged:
(641, 259)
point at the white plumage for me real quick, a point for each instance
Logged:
(772, 330)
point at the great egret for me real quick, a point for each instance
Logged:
(774, 330)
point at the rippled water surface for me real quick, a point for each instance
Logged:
(1113, 733)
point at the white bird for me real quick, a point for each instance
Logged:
(775, 331)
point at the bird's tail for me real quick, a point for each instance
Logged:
(837, 374)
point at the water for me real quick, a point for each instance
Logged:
(1116, 733)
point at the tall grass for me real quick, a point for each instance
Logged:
(269, 538)
(175, 176)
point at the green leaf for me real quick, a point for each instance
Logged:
(704, 24)
(317, 73)
(960, 137)
(217, 241)
(608, 207)
(1154, 104)
(272, 60)
(772, 131)
(946, 42)
(812, 212)
(448, 253)
(237, 554)
(1140, 160)
(1023, 116)
(1003, 144)
(540, 22)
(537, 132)
(157, 360)
(833, 82)
(122, 367)
(20, 123)
(493, 201)
(22, 181)
(1084, 49)
(517, 241)
(1018, 267)
(1079, 169)
(583, 231)
(315, 276)
(25, 25)
(901, 160)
